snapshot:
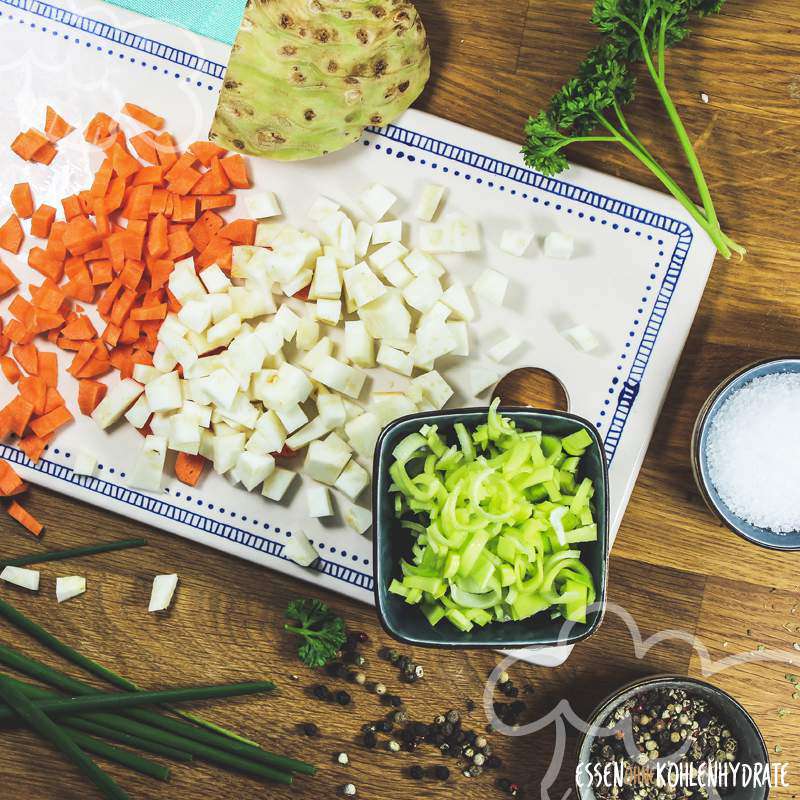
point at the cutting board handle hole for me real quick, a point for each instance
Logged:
(532, 386)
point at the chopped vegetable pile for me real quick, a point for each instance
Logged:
(496, 518)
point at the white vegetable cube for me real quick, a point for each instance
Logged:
(249, 303)
(214, 279)
(253, 469)
(423, 292)
(481, 377)
(346, 241)
(434, 388)
(321, 208)
(358, 518)
(292, 418)
(162, 593)
(307, 334)
(358, 344)
(381, 259)
(389, 406)
(362, 285)
(149, 464)
(220, 334)
(331, 409)
(262, 205)
(384, 232)
(515, 243)
(363, 238)
(268, 232)
(277, 484)
(460, 334)
(433, 341)
(286, 321)
(464, 234)
(19, 576)
(300, 281)
(163, 360)
(583, 338)
(504, 348)
(330, 226)
(387, 317)
(183, 282)
(160, 422)
(327, 283)
(221, 388)
(246, 353)
(227, 450)
(324, 347)
(319, 501)
(438, 313)
(353, 480)
(395, 360)
(315, 429)
(184, 434)
(339, 377)
(240, 258)
(300, 550)
(419, 262)
(271, 336)
(343, 258)
(376, 202)
(328, 311)
(429, 202)
(283, 388)
(195, 315)
(398, 275)
(435, 237)
(116, 402)
(491, 286)
(85, 462)
(69, 586)
(272, 431)
(221, 306)
(164, 393)
(559, 245)
(144, 373)
(363, 432)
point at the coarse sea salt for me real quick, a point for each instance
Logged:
(753, 452)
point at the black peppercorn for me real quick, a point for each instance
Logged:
(342, 698)
(419, 729)
(403, 662)
(370, 739)
(416, 772)
(513, 692)
(395, 701)
(441, 772)
(310, 729)
(470, 706)
(322, 692)
(384, 726)
(334, 669)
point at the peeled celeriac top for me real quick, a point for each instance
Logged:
(306, 77)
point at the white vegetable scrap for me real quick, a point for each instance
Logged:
(751, 450)
(277, 484)
(358, 518)
(491, 286)
(319, 502)
(385, 232)
(299, 549)
(85, 462)
(149, 465)
(353, 480)
(24, 578)
(559, 245)
(429, 202)
(582, 337)
(163, 590)
(481, 377)
(515, 243)
(69, 587)
(261, 205)
(504, 348)
(377, 201)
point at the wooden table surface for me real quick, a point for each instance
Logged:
(672, 565)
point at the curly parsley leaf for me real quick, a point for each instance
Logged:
(323, 633)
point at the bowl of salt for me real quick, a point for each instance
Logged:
(746, 453)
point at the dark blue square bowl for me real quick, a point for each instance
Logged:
(406, 623)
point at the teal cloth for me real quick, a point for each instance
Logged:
(217, 19)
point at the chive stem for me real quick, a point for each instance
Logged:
(73, 552)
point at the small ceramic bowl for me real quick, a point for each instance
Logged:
(406, 623)
(760, 536)
(752, 748)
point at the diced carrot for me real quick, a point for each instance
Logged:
(111, 334)
(115, 195)
(160, 270)
(48, 368)
(132, 274)
(45, 154)
(55, 241)
(157, 243)
(207, 151)
(184, 209)
(146, 147)
(101, 128)
(130, 332)
(189, 468)
(82, 356)
(102, 179)
(183, 181)
(27, 357)
(42, 220)
(10, 481)
(55, 126)
(27, 144)
(208, 202)
(180, 244)
(102, 273)
(94, 368)
(33, 446)
(240, 231)
(122, 307)
(10, 369)
(11, 234)
(123, 162)
(72, 207)
(151, 313)
(138, 205)
(54, 399)
(47, 296)
(166, 149)
(144, 116)
(215, 181)
(105, 303)
(34, 390)
(43, 263)
(90, 393)
(26, 519)
(80, 288)
(18, 333)
(218, 251)
(158, 202)
(22, 200)
(19, 412)
(236, 169)
(153, 176)
(22, 309)
(79, 329)
(205, 229)
(8, 280)
(45, 321)
(80, 236)
(48, 423)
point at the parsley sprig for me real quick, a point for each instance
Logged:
(589, 107)
(322, 631)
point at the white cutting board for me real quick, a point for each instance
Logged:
(636, 279)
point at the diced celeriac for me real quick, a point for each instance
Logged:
(362, 285)
(116, 402)
(376, 202)
(435, 237)
(339, 377)
(328, 311)
(307, 334)
(314, 430)
(221, 334)
(515, 243)
(24, 578)
(362, 433)
(327, 283)
(423, 292)
(387, 317)
(504, 348)
(429, 202)
(324, 347)
(398, 275)
(261, 205)
(582, 337)
(481, 377)
(559, 245)
(149, 464)
(215, 280)
(319, 501)
(286, 321)
(491, 286)
(419, 262)
(321, 208)
(162, 593)
(277, 484)
(433, 341)
(325, 461)
(358, 518)
(381, 259)
(300, 550)
(460, 334)
(252, 469)
(395, 360)
(463, 233)
(458, 301)
(363, 238)
(384, 232)
(389, 406)
(164, 393)
(358, 344)
(434, 388)
(331, 409)
(69, 586)
(85, 462)
(353, 480)
(292, 418)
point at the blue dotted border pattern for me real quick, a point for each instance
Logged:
(153, 505)
(628, 389)
(132, 40)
